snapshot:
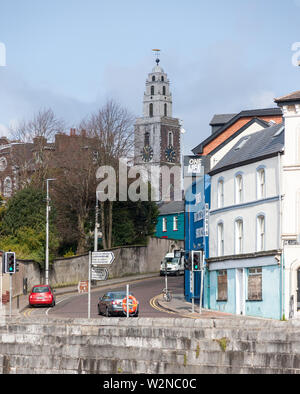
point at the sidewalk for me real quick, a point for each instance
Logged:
(179, 305)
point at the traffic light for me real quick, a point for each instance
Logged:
(196, 260)
(10, 262)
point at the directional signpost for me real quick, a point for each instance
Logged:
(102, 258)
(96, 270)
(99, 273)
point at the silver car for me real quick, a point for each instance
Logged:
(111, 304)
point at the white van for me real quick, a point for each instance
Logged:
(174, 265)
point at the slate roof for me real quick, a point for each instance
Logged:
(295, 96)
(254, 112)
(262, 144)
(171, 207)
(220, 119)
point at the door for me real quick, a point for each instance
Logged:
(240, 292)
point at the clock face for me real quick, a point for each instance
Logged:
(170, 154)
(147, 153)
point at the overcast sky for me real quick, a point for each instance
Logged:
(220, 56)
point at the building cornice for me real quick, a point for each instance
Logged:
(244, 256)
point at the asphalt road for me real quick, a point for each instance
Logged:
(76, 306)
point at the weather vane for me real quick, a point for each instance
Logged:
(157, 53)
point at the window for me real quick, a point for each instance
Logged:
(222, 285)
(261, 188)
(151, 110)
(152, 90)
(220, 239)
(170, 138)
(147, 139)
(238, 236)
(164, 224)
(164, 90)
(165, 110)
(260, 233)
(255, 284)
(153, 78)
(175, 223)
(220, 193)
(162, 78)
(239, 189)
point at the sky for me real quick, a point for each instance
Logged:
(73, 55)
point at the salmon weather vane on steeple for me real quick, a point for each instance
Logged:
(156, 53)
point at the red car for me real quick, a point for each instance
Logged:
(42, 295)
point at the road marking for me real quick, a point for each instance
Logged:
(155, 306)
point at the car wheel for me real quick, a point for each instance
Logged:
(99, 310)
(107, 313)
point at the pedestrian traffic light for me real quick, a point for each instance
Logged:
(196, 260)
(10, 262)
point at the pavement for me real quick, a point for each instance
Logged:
(178, 305)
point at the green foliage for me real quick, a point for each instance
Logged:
(133, 222)
(25, 209)
(23, 226)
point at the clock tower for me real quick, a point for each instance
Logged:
(157, 133)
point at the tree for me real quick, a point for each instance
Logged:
(23, 225)
(74, 191)
(111, 129)
(32, 163)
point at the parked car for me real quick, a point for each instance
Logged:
(42, 295)
(111, 304)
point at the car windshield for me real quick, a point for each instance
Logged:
(171, 260)
(118, 296)
(40, 289)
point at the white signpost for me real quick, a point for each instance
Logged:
(102, 258)
(99, 273)
(97, 259)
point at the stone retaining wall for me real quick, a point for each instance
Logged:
(151, 346)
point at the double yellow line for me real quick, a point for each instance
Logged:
(155, 306)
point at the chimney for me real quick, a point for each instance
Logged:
(72, 132)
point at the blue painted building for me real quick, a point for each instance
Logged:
(170, 222)
(197, 204)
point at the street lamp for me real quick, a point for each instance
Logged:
(47, 231)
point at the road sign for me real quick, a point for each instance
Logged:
(102, 258)
(83, 286)
(99, 273)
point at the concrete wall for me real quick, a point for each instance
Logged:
(150, 346)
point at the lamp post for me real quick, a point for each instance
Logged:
(47, 232)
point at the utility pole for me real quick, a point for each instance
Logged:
(47, 232)
(96, 226)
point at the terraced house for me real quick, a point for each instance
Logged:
(254, 264)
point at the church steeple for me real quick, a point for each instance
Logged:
(157, 97)
(157, 133)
